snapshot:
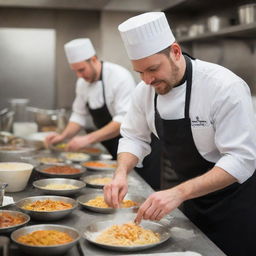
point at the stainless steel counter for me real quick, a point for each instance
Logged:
(185, 235)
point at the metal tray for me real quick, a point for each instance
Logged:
(40, 184)
(94, 168)
(87, 180)
(85, 198)
(93, 230)
(41, 168)
(12, 228)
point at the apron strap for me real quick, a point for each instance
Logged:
(189, 85)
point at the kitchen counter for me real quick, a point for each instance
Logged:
(185, 235)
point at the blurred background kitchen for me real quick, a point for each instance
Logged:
(35, 73)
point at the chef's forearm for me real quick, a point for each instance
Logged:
(126, 162)
(71, 130)
(213, 180)
(109, 131)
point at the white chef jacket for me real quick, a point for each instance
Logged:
(118, 86)
(222, 119)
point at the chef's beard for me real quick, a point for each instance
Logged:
(170, 82)
(93, 77)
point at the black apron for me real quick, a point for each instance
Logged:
(102, 117)
(227, 216)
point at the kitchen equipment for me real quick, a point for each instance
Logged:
(89, 180)
(4, 245)
(12, 153)
(23, 129)
(41, 185)
(2, 192)
(14, 214)
(85, 198)
(75, 157)
(15, 174)
(49, 120)
(94, 229)
(19, 107)
(47, 215)
(215, 23)
(247, 13)
(6, 120)
(46, 250)
(41, 169)
(196, 29)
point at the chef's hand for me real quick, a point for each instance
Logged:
(159, 204)
(53, 138)
(115, 192)
(78, 142)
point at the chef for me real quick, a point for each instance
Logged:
(203, 115)
(103, 90)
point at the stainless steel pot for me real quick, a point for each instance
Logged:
(6, 120)
(49, 118)
(247, 13)
(15, 153)
(215, 23)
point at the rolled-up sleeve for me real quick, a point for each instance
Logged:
(235, 135)
(135, 130)
(79, 109)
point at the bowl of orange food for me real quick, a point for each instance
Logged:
(11, 220)
(61, 171)
(100, 165)
(45, 239)
(47, 208)
(95, 202)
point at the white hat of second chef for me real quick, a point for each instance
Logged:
(79, 50)
(146, 34)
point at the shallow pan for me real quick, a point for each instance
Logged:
(93, 230)
(85, 198)
(47, 215)
(41, 169)
(107, 165)
(75, 157)
(13, 227)
(41, 185)
(46, 250)
(88, 180)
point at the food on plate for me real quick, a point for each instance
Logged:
(100, 181)
(8, 220)
(75, 156)
(65, 169)
(48, 160)
(99, 164)
(61, 145)
(47, 205)
(128, 234)
(91, 150)
(56, 186)
(98, 201)
(45, 237)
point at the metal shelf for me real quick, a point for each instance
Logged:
(245, 31)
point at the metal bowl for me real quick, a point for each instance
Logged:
(14, 153)
(103, 168)
(88, 180)
(85, 198)
(40, 184)
(46, 250)
(93, 230)
(47, 215)
(75, 157)
(15, 214)
(41, 169)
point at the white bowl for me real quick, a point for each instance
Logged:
(15, 174)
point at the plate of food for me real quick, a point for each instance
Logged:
(122, 234)
(59, 186)
(97, 180)
(95, 202)
(47, 208)
(46, 239)
(11, 220)
(100, 165)
(75, 157)
(60, 171)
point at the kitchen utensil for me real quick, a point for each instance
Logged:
(247, 13)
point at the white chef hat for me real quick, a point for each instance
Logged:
(146, 34)
(78, 50)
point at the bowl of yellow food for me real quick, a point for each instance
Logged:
(47, 208)
(45, 239)
(59, 186)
